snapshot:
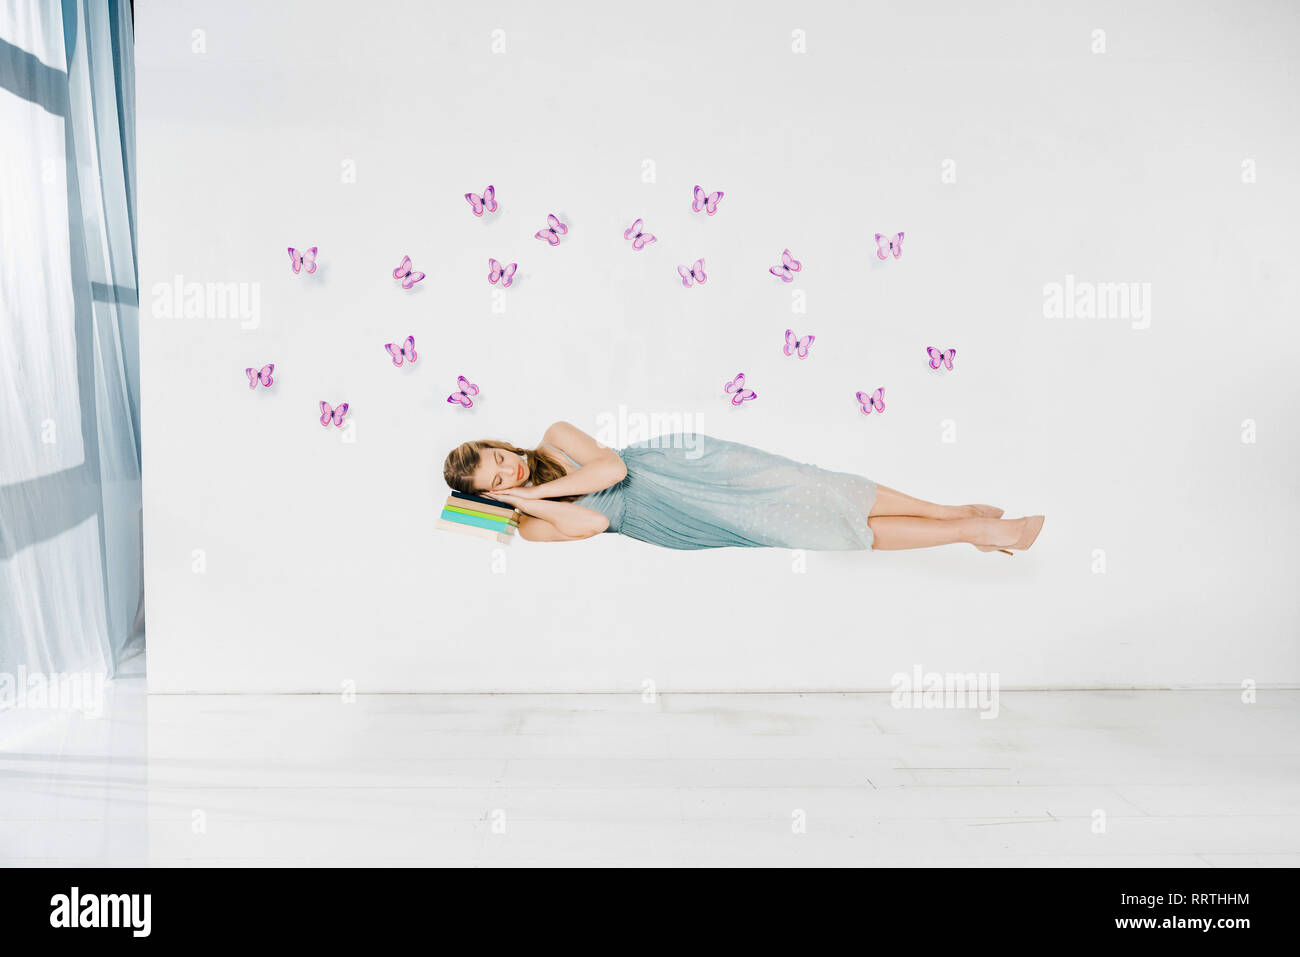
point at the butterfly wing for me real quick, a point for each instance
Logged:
(508, 274)
(252, 377)
(737, 384)
(475, 203)
(264, 373)
(490, 199)
(404, 268)
(295, 261)
(791, 341)
(326, 413)
(341, 411)
(697, 203)
(464, 389)
(555, 224)
(711, 202)
(874, 400)
(936, 357)
(412, 279)
(309, 260)
(633, 230)
(697, 270)
(688, 276)
(394, 353)
(948, 357)
(896, 246)
(802, 346)
(408, 349)
(789, 262)
(643, 240)
(494, 270)
(882, 249)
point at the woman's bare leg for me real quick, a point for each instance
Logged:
(893, 502)
(896, 532)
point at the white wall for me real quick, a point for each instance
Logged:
(321, 563)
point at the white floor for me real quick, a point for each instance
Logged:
(1194, 779)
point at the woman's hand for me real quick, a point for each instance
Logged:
(519, 493)
(511, 498)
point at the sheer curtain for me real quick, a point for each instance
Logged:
(70, 520)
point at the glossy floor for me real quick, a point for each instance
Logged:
(1059, 778)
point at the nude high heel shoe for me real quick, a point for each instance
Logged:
(1033, 526)
(990, 511)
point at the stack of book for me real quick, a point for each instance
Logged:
(481, 517)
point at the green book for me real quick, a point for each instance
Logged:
(470, 511)
(461, 518)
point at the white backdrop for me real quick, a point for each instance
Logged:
(1016, 147)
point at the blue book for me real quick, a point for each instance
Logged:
(460, 518)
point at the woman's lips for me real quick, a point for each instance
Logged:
(519, 476)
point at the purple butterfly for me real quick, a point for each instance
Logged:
(789, 266)
(506, 274)
(407, 273)
(706, 201)
(636, 232)
(736, 389)
(793, 344)
(692, 274)
(403, 353)
(553, 231)
(328, 415)
(262, 375)
(941, 357)
(464, 389)
(895, 246)
(488, 201)
(874, 400)
(304, 260)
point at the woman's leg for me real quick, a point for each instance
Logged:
(893, 502)
(896, 532)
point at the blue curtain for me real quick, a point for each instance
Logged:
(71, 595)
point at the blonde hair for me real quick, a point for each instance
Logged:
(463, 460)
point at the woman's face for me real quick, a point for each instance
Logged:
(500, 469)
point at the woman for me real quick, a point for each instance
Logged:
(695, 491)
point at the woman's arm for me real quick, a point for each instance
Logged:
(601, 466)
(545, 521)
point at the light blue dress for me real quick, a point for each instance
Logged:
(695, 491)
